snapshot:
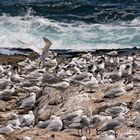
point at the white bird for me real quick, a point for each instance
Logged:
(45, 51)
(6, 129)
(125, 69)
(98, 120)
(29, 101)
(34, 89)
(74, 116)
(15, 76)
(80, 124)
(114, 92)
(14, 120)
(62, 86)
(5, 82)
(27, 119)
(55, 124)
(7, 93)
(91, 84)
(114, 124)
(49, 63)
(26, 138)
(136, 106)
(83, 138)
(113, 53)
(24, 63)
(110, 136)
(116, 110)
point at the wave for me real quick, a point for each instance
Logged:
(75, 35)
(89, 11)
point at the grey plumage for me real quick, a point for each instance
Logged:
(29, 101)
(55, 124)
(27, 119)
(114, 124)
(114, 92)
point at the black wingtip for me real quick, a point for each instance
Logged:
(47, 40)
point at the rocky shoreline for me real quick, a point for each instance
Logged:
(90, 100)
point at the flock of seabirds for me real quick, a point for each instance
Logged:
(87, 70)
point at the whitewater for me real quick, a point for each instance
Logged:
(74, 34)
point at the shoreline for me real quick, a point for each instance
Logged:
(15, 58)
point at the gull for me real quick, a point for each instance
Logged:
(73, 116)
(87, 56)
(26, 138)
(1, 69)
(45, 51)
(137, 122)
(116, 110)
(113, 53)
(42, 124)
(62, 86)
(80, 76)
(114, 124)
(48, 77)
(83, 138)
(30, 67)
(129, 85)
(55, 124)
(98, 120)
(28, 83)
(15, 76)
(91, 84)
(28, 102)
(34, 89)
(100, 65)
(7, 93)
(64, 73)
(27, 119)
(35, 74)
(114, 92)
(110, 136)
(14, 120)
(125, 69)
(80, 124)
(4, 82)
(24, 63)
(6, 129)
(49, 63)
(136, 106)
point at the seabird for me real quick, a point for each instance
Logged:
(136, 106)
(45, 50)
(15, 76)
(27, 119)
(6, 129)
(14, 120)
(110, 136)
(7, 93)
(26, 138)
(55, 124)
(29, 101)
(114, 124)
(114, 92)
(116, 110)
(80, 124)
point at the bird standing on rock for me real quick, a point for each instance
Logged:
(29, 101)
(55, 124)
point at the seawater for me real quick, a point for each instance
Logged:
(73, 24)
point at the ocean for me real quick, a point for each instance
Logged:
(70, 24)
